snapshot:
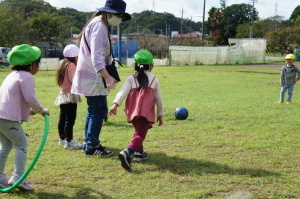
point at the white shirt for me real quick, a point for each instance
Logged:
(130, 84)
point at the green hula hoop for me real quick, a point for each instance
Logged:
(40, 149)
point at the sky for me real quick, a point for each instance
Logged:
(191, 9)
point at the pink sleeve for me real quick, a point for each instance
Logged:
(71, 71)
(28, 89)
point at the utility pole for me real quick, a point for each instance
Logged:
(181, 22)
(251, 23)
(166, 30)
(203, 23)
(169, 38)
(276, 16)
(191, 32)
(120, 43)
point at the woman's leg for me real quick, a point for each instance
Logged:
(97, 110)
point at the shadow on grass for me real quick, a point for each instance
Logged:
(82, 193)
(184, 166)
(117, 124)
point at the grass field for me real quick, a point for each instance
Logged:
(237, 142)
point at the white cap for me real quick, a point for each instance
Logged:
(71, 50)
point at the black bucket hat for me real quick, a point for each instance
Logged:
(116, 6)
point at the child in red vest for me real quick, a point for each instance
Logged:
(142, 91)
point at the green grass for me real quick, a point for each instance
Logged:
(236, 141)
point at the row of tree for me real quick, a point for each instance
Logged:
(241, 21)
(33, 21)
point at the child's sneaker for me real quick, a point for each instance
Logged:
(61, 142)
(125, 159)
(139, 156)
(280, 102)
(73, 144)
(3, 181)
(288, 102)
(99, 151)
(23, 185)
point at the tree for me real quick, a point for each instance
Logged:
(49, 28)
(29, 6)
(243, 30)
(295, 14)
(261, 27)
(76, 18)
(296, 22)
(12, 26)
(223, 4)
(217, 25)
(235, 15)
(158, 23)
(295, 17)
(284, 37)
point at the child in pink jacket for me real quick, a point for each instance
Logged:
(17, 101)
(66, 100)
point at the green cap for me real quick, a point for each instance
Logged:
(143, 57)
(23, 55)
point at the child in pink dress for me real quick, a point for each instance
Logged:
(142, 91)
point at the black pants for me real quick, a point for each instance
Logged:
(66, 121)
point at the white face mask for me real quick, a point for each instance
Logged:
(114, 21)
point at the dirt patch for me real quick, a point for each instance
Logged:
(258, 72)
(272, 65)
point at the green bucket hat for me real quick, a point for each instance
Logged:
(23, 55)
(143, 57)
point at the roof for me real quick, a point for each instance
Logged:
(195, 35)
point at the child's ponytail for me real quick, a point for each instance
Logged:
(141, 75)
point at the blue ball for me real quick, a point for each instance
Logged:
(181, 113)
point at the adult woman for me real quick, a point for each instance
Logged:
(94, 55)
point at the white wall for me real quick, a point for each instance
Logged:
(53, 63)
(49, 63)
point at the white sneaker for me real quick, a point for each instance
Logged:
(23, 185)
(73, 144)
(61, 142)
(139, 156)
(3, 181)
